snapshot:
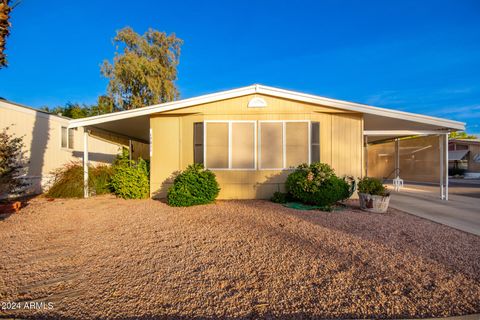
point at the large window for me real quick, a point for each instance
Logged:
(284, 144)
(230, 145)
(233, 144)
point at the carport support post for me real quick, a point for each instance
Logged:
(397, 158)
(442, 157)
(446, 166)
(365, 152)
(85, 163)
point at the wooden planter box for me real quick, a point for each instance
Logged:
(371, 203)
(12, 207)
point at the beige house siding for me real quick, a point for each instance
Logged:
(41, 134)
(172, 143)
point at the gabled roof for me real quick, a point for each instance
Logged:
(270, 91)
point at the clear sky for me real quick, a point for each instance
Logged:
(418, 56)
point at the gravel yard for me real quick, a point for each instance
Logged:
(106, 257)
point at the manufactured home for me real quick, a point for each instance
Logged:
(49, 143)
(252, 137)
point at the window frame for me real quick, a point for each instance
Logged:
(284, 142)
(68, 147)
(195, 145)
(319, 140)
(229, 122)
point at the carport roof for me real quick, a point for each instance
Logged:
(135, 123)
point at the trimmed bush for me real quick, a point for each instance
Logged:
(68, 181)
(372, 186)
(131, 179)
(193, 186)
(317, 184)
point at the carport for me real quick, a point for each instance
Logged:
(408, 147)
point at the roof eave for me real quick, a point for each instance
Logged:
(261, 89)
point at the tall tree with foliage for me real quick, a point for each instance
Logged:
(5, 9)
(77, 110)
(144, 68)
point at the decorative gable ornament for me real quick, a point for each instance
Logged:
(257, 103)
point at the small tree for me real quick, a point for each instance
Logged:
(5, 10)
(12, 163)
(145, 72)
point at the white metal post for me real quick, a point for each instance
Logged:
(85, 163)
(397, 158)
(440, 138)
(365, 156)
(446, 166)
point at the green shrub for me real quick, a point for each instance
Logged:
(372, 186)
(193, 186)
(13, 164)
(100, 179)
(317, 184)
(68, 181)
(279, 197)
(131, 179)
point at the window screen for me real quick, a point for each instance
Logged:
(315, 142)
(217, 145)
(296, 143)
(243, 145)
(271, 149)
(198, 142)
(64, 137)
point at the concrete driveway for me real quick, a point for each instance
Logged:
(462, 211)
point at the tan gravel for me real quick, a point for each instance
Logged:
(110, 258)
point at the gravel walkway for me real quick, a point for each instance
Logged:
(105, 257)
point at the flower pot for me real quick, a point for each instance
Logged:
(371, 203)
(12, 207)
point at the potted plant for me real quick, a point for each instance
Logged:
(373, 195)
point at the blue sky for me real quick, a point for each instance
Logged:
(418, 56)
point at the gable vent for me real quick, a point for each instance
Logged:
(257, 103)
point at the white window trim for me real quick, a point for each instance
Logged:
(284, 142)
(229, 122)
(68, 147)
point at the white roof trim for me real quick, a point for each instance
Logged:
(281, 93)
(402, 132)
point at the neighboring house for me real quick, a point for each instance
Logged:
(464, 154)
(252, 137)
(49, 144)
